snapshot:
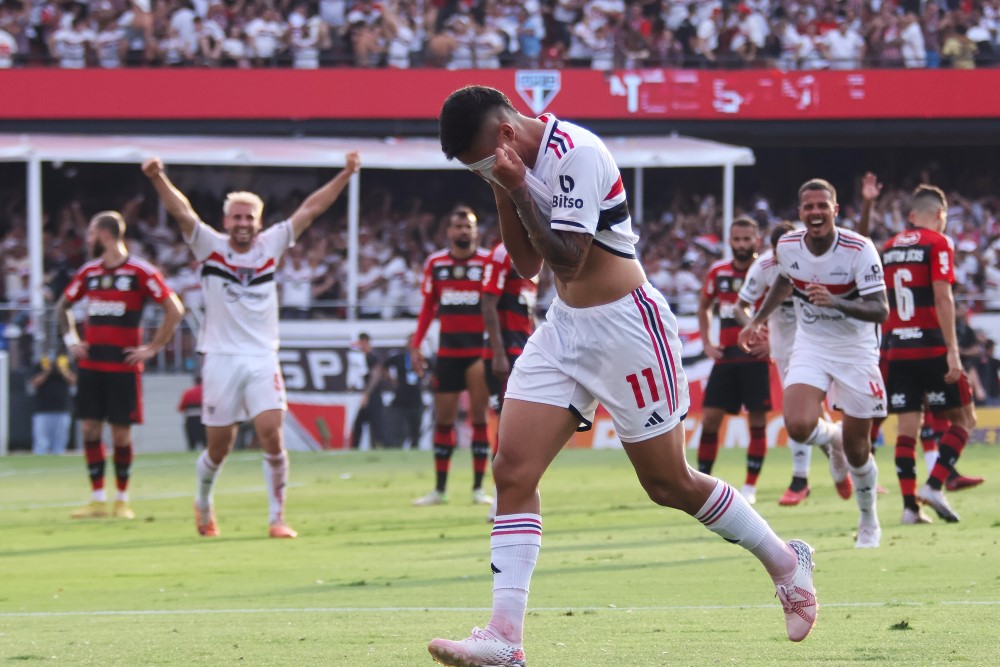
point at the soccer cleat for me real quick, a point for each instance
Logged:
(481, 649)
(749, 493)
(912, 517)
(205, 522)
(281, 530)
(433, 498)
(838, 464)
(480, 497)
(792, 498)
(798, 594)
(957, 482)
(845, 488)
(881, 490)
(935, 498)
(121, 510)
(869, 536)
(95, 509)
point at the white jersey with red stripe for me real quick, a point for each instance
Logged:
(578, 187)
(241, 298)
(781, 324)
(850, 269)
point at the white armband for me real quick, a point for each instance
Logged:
(71, 338)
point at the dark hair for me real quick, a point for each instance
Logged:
(462, 116)
(112, 222)
(744, 221)
(462, 211)
(780, 230)
(814, 184)
(926, 196)
(364, 337)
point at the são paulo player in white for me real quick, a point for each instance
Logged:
(781, 337)
(239, 338)
(840, 299)
(608, 337)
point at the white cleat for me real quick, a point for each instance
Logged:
(480, 497)
(481, 649)
(869, 536)
(433, 498)
(798, 594)
(749, 493)
(935, 498)
(913, 517)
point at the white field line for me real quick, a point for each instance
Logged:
(152, 496)
(394, 610)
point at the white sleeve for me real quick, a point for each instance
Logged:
(204, 241)
(753, 285)
(277, 238)
(868, 275)
(577, 191)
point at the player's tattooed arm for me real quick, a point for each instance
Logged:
(869, 308)
(564, 252)
(525, 258)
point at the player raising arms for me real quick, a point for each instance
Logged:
(836, 277)
(453, 284)
(781, 338)
(609, 336)
(239, 340)
(922, 351)
(109, 386)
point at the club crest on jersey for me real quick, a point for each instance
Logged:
(537, 87)
(246, 274)
(475, 273)
(122, 283)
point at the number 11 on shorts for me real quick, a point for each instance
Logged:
(633, 380)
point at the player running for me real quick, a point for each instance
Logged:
(922, 351)
(609, 336)
(738, 378)
(453, 283)
(111, 355)
(836, 277)
(239, 339)
(781, 338)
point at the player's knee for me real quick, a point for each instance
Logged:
(799, 430)
(663, 493)
(512, 476)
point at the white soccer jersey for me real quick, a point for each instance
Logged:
(850, 269)
(241, 298)
(781, 324)
(577, 186)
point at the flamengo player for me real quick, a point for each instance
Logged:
(923, 359)
(452, 288)
(781, 338)
(109, 387)
(738, 377)
(836, 277)
(239, 339)
(608, 337)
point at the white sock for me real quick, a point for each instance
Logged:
(822, 434)
(930, 458)
(729, 516)
(514, 545)
(865, 483)
(276, 479)
(801, 458)
(206, 470)
(99, 495)
(122, 496)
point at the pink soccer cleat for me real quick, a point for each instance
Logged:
(791, 498)
(798, 595)
(205, 522)
(481, 649)
(281, 530)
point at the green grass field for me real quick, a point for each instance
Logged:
(371, 579)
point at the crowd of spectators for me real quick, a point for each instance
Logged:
(459, 34)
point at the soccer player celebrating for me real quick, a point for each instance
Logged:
(738, 378)
(239, 340)
(609, 336)
(836, 277)
(111, 355)
(453, 283)
(923, 358)
(781, 338)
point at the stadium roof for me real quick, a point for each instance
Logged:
(649, 152)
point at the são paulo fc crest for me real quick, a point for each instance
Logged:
(537, 87)
(246, 274)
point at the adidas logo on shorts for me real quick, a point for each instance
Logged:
(654, 420)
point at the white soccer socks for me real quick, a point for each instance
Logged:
(822, 434)
(206, 470)
(801, 458)
(865, 485)
(276, 479)
(514, 545)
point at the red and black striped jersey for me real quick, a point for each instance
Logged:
(452, 289)
(516, 305)
(913, 261)
(722, 285)
(115, 298)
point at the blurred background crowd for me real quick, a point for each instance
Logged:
(485, 34)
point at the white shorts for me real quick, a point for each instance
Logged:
(856, 389)
(240, 387)
(782, 365)
(625, 354)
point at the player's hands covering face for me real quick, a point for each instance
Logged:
(509, 169)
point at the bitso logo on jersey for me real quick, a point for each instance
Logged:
(537, 87)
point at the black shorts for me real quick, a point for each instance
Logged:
(738, 383)
(106, 396)
(449, 373)
(912, 380)
(494, 385)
